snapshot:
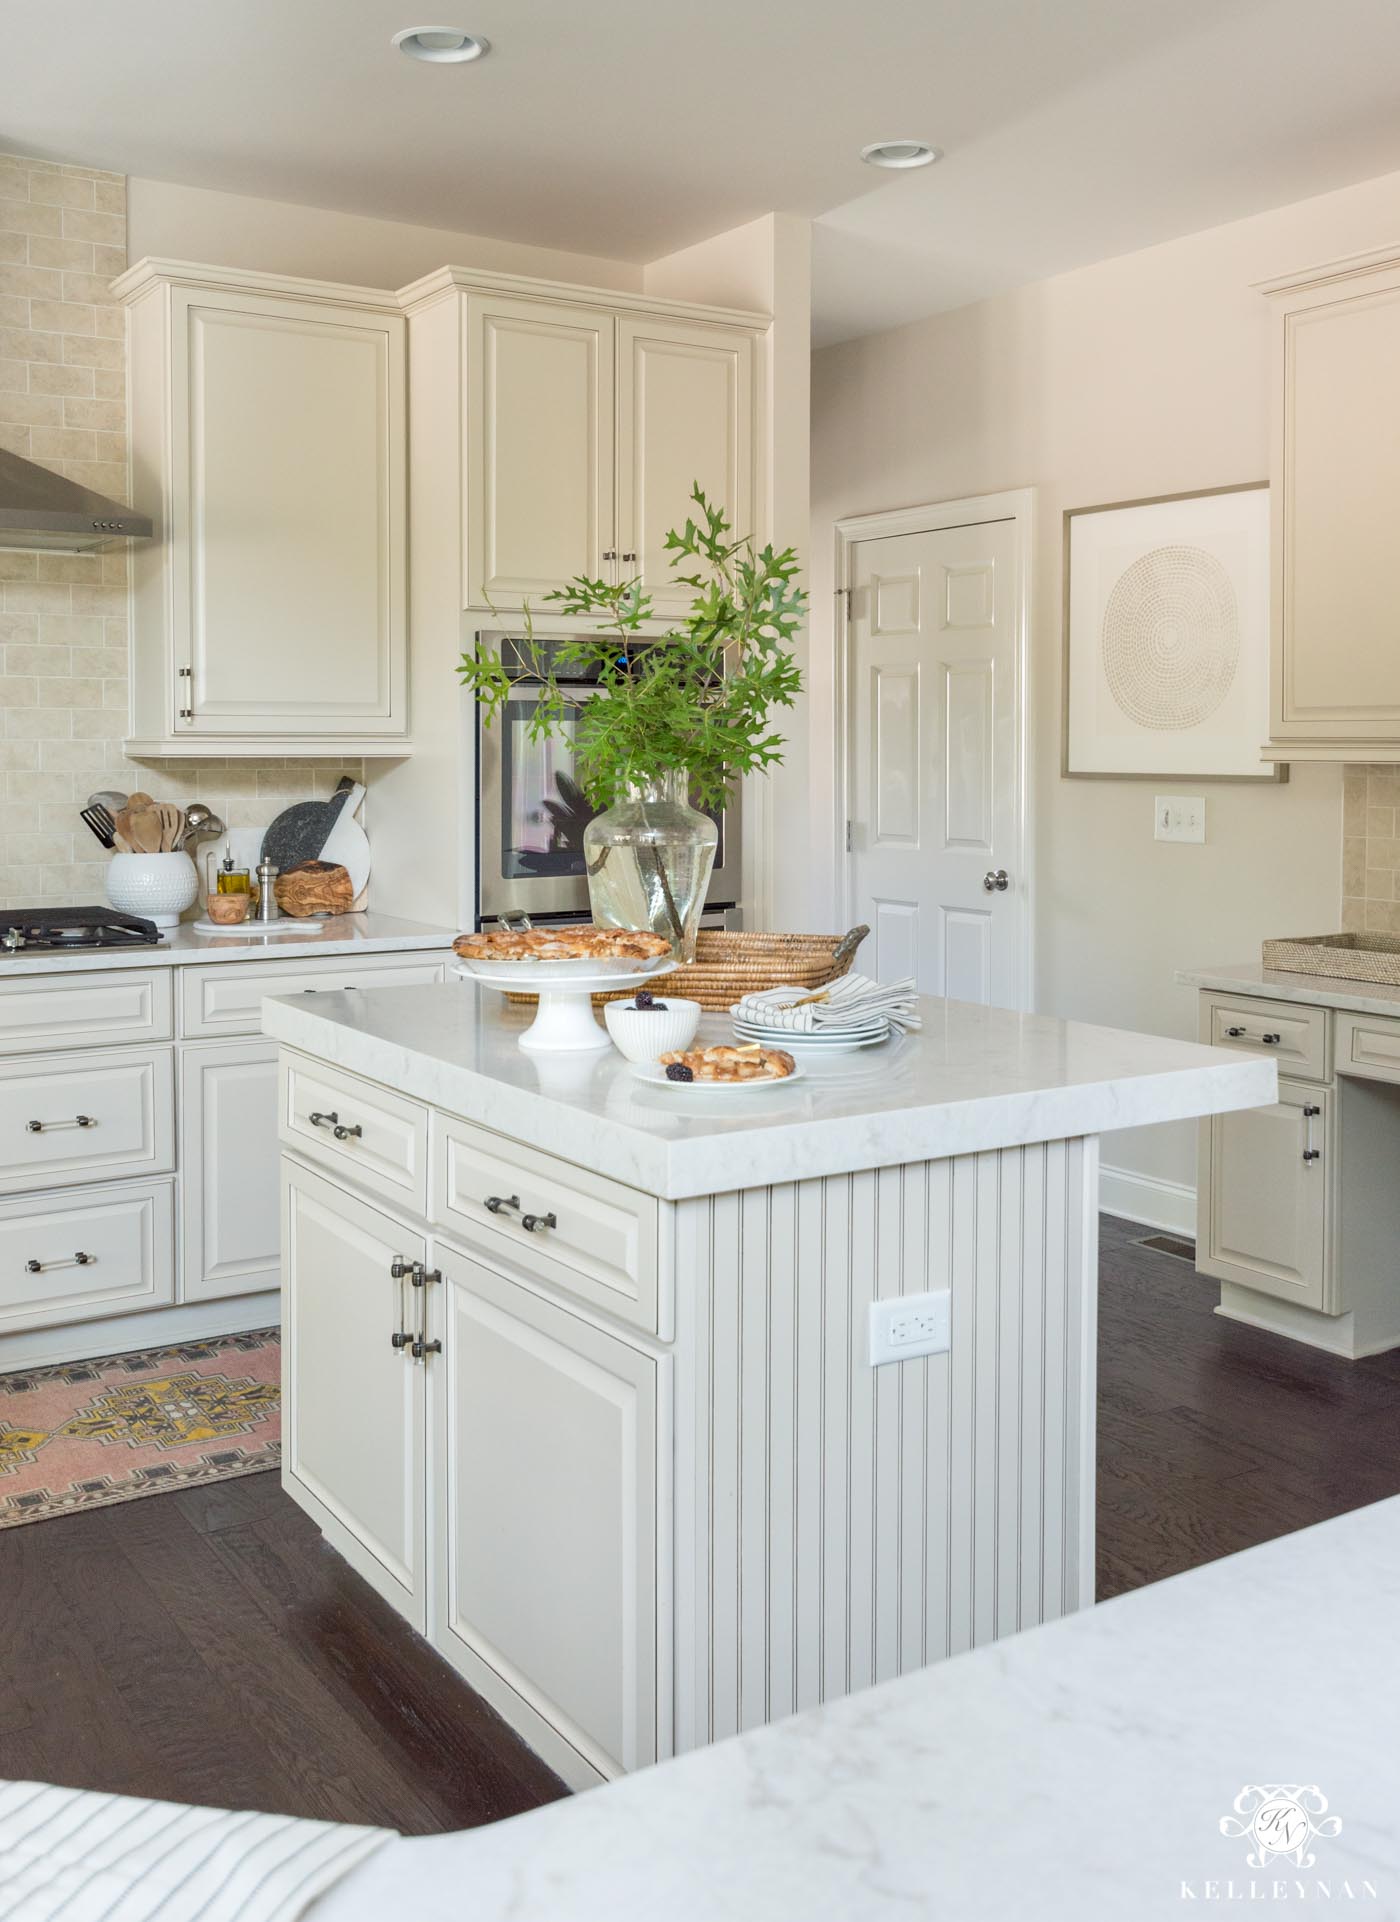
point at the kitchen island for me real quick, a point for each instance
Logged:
(579, 1371)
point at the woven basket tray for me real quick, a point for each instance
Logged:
(1348, 957)
(729, 966)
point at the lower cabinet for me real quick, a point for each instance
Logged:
(545, 1438)
(229, 1155)
(354, 1397)
(77, 1255)
(1264, 1197)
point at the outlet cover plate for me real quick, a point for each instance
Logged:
(907, 1325)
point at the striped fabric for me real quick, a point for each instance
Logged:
(67, 1855)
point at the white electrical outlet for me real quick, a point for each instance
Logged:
(1180, 817)
(908, 1325)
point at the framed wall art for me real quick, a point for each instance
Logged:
(1167, 637)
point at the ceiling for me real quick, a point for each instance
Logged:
(1073, 129)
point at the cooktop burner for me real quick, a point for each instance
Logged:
(30, 930)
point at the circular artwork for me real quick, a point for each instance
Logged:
(1171, 637)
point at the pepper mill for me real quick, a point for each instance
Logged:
(268, 909)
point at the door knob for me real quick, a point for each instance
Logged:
(996, 880)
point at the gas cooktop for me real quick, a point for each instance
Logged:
(36, 930)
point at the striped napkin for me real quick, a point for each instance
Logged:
(855, 1001)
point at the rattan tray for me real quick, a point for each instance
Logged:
(728, 966)
(1348, 957)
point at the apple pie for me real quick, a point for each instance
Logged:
(561, 944)
(728, 1063)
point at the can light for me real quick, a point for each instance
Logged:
(900, 154)
(441, 46)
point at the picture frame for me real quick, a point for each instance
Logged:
(1166, 638)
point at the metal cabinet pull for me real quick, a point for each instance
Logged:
(536, 1222)
(354, 1133)
(499, 1203)
(1271, 1040)
(1310, 1110)
(80, 1260)
(1234, 1033)
(323, 1120)
(629, 557)
(400, 1271)
(609, 553)
(423, 1279)
(44, 1127)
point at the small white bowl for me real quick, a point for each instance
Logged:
(643, 1034)
(158, 886)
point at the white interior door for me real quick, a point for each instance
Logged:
(934, 734)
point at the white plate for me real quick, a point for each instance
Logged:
(610, 970)
(797, 1044)
(816, 1037)
(654, 1075)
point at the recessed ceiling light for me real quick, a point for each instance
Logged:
(900, 153)
(441, 45)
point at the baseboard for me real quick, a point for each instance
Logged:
(1147, 1199)
(155, 1328)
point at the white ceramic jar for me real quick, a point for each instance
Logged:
(642, 1034)
(157, 886)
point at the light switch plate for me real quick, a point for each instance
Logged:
(1180, 817)
(907, 1325)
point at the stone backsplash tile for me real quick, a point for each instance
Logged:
(63, 617)
(1371, 849)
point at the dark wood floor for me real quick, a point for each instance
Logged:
(206, 1646)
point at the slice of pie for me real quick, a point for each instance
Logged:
(725, 1063)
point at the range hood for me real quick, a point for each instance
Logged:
(41, 509)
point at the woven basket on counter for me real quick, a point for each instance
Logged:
(728, 966)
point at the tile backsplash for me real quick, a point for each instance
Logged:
(63, 617)
(1371, 849)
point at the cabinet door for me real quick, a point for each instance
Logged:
(684, 414)
(540, 447)
(545, 1580)
(1336, 496)
(1265, 1197)
(229, 1158)
(288, 548)
(355, 1442)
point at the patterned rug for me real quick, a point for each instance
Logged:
(78, 1435)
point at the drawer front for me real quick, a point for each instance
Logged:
(600, 1245)
(1295, 1036)
(356, 1129)
(1368, 1045)
(86, 1118)
(227, 1000)
(78, 1255)
(39, 1011)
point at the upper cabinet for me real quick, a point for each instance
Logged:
(268, 445)
(1336, 502)
(585, 428)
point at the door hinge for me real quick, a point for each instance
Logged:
(848, 837)
(846, 592)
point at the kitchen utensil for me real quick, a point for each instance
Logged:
(227, 910)
(315, 887)
(107, 797)
(145, 829)
(268, 909)
(158, 886)
(347, 844)
(172, 826)
(564, 1019)
(201, 824)
(100, 822)
(300, 832)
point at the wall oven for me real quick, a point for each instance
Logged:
(531, 813)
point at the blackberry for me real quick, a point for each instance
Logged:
(643, 999)
(678, 1071)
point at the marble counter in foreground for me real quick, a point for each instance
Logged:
(975, 1078)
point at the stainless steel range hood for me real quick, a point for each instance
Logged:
(40, 509)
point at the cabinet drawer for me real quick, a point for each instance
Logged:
(86, 1118)
(1295, 1036)
(594, 1238)
(77, 1255)
(356, 1129)
(222, 1001)
(42, 1011)
(1368, 1045)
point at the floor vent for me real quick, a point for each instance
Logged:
(1177, 1245)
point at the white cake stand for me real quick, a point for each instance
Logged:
(564, 1022)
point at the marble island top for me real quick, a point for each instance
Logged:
(974, 1078)
(339, 934)
(1280, 984)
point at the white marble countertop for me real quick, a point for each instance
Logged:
(339, 934)
(1075, 1773)
(974, 1078)
(1276, 984)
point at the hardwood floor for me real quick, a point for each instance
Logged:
(206, 1646)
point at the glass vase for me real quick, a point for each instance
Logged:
(649, 859)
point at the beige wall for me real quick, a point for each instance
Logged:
(275, 237)
(1140, 376)
(63, 617)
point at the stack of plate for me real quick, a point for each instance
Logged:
(810, 1044)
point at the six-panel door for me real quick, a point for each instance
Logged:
(1264, 1197)
(545, 1433)
(355, 1442)
(289, 516)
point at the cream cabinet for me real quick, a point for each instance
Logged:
(1266, 1175)
(268, 445)
(1335, 478)
(228, 1154)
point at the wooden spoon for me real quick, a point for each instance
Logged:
(147, 827)
(172, 822)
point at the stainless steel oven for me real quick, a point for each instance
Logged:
(531, 813)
